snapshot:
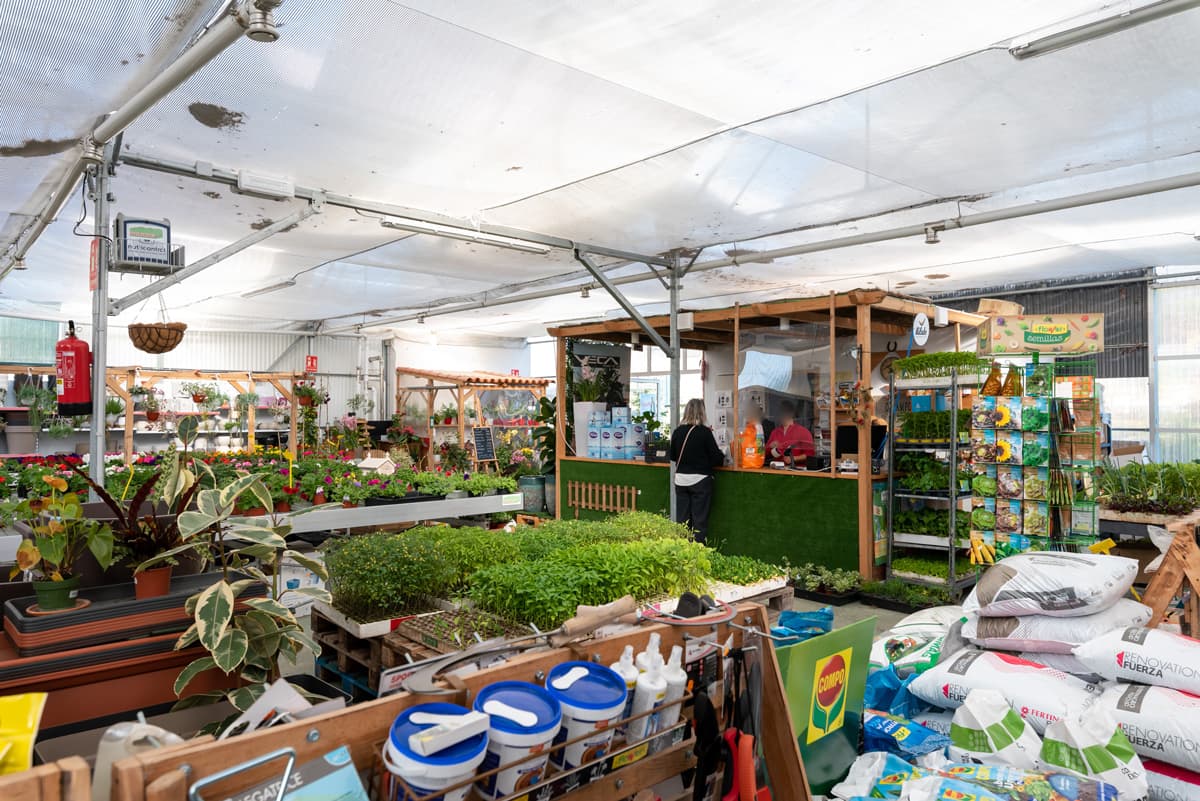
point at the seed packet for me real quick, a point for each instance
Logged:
(1036, 449)
(1009, 483)
(1008, 413)
(983, 446)
(983, 514)
(1037, 519)
(1083, 519)
(1008, 516)
(983, 412)
(1038, 380)
(983, 485)
(1035, 414)
(1008, 447)
(1036, 480)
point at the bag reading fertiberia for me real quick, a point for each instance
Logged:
(1147, 656)
(1037, 693)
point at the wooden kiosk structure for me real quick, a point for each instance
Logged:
(463, 387)
(806, 516)
(120, 380)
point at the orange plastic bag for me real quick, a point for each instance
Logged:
(752, 446)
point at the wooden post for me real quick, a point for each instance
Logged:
(430, 400)
(128, 443)
(462, 413)
(251, 414)
(833, 454)
(957, 337)
(560, 417)
(866, 507)
(735, 439)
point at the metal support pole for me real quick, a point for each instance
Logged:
(1152, 339)
(674, 353)
(101, 229)
(624, 303)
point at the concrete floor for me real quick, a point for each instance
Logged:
(854, 612)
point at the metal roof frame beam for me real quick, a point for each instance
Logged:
(585, 259)
(229, 177)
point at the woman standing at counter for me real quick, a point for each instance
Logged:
(790, 442)
(695, 453)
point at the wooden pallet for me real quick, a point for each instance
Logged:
(776, 601)
(352, 655)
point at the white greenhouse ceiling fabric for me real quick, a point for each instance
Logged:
(644, 126)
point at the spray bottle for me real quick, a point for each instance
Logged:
(677, 679)
(653, 648)
(649, 695)
(628, 671)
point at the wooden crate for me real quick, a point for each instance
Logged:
(363, 726)
(65, 780)
(436, 630)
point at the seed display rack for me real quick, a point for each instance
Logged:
(1035, 454)
(167, 774)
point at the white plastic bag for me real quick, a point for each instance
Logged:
(1052, 635)
(1091, 745)
(1160, 723)
(1051, 583)
(1037, 693)
(987, 730)
(1147, 656)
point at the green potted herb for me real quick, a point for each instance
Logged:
(60, 428)
(433, 484)
(60, 535)
(309, 394)
(833, 586)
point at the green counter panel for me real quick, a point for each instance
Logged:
(765, 515)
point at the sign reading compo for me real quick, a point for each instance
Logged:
(828, 710)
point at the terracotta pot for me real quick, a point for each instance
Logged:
(258, 511)
(152, 583)
(56, 595)
(153, 416)
(199, 398)
(318, 498)
(305, 400)
(283, 506)
(349, 505)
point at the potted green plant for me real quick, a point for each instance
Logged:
(245, 642)
(835, 586)
(144, 529)
(545, 439)
(349, 491)
(214, 401)
(435, 485)
(309, 394)
(198, 391)
(138, 395)
(447, 414)
(152, 405)
(60, 534)
(24, 426)
(60, 427)
(114, 407)
(360, 406)
(244, 401)
(591, 389)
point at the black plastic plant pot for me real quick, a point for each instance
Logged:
(829, 598)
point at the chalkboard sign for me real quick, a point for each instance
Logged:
(485, 446)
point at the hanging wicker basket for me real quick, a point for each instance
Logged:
(156, 337)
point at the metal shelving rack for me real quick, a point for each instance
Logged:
(954, 582)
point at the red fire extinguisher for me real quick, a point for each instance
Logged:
(73, 364)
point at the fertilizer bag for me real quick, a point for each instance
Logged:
(1147, 656)
(986, 729)
(1051, 583)
(1094, 747)
(1160, 723)
(1037, 693)
(1052, 635)
(1169, 783)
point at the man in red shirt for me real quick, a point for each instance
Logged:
(790, 442)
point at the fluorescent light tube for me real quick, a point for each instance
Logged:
(291, 282)
(1028, 48)
(465, 235)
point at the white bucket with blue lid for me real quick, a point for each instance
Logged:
(428, 774)
(592, 698)
(524, 721)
